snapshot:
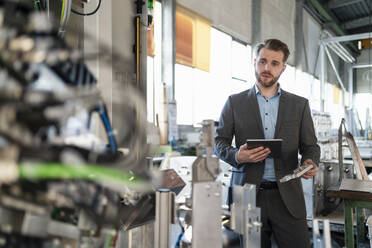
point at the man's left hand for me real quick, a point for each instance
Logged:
(312, 172)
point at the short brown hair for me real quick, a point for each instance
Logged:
(275, 45)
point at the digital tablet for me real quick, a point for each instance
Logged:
(275, 145)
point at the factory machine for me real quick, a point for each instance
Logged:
(59, 189)
(61, 186)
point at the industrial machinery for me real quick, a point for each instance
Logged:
(58, 189)
(203, 220)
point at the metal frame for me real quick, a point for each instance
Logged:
(334, 44)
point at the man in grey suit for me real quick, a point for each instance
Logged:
(265, 112)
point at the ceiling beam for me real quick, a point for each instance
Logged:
(334, 4)
(356, 23)
(348, 37)
(323, 10)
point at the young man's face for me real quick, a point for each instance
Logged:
(269, 66)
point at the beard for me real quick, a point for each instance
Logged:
(266, 84)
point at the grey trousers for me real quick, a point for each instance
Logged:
(277, 221)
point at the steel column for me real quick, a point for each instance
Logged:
(322, 75)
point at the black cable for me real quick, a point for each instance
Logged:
(87, 14)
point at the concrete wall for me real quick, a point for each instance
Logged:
(277, 21)
(232, 16)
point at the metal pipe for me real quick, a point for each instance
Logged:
(336, 50)
(343, 49)
(351, 85)
(348, 37)
(322, 75)
(347, 57)
(334, 68)
(362, 65)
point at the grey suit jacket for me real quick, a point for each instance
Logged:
(241, 118)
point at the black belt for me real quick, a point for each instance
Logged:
(268, 185)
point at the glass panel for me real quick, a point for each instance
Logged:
(240, 61)
(184, 89)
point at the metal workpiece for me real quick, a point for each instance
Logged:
(206, 215)
(206, 166)
(164, 217)
(207, 137)
(205, 169)
(245, 216)
(297, 173)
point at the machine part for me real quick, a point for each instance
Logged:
(172, 181)
(205, 167)
(165, 214)
(252, 232)
(206, 215)
(297, 173)
(244, 198)
(245, 216)
(321, 240)
(327, 176)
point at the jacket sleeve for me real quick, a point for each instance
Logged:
(309, 149)
(225, 132)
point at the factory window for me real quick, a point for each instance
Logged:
(184, 93)
(241, 66)
(287, 79)
(200, 94)
(315, 94)
(364, 107)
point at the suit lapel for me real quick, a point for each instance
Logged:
(256, 111)
(281, 111)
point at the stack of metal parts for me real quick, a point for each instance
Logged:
(53, 194)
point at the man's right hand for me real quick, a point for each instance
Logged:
(245, 155)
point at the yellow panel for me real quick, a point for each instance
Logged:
(184, 39)
(203, 44)
(150, 41)
(193, 38)
(336, 95)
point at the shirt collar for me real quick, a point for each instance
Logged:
(278, 92)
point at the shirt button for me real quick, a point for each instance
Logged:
(265, 128)
(266, 113)
(267, 100)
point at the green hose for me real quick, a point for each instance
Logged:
(46, 171)
(62, 11)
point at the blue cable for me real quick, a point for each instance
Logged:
(107, 125)
(178, 243)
